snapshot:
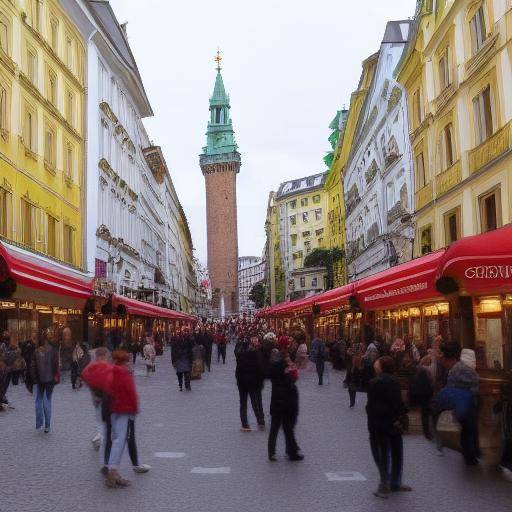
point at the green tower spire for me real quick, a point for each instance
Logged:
(220, 137)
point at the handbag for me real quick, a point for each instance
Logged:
(447, 422)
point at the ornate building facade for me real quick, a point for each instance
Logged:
(251, 270)
(220, 163)
(377, 178)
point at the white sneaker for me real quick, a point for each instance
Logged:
(96, 442)
(142, 468)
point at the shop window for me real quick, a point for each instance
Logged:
(54, 34)
(314, 282)
(4, 34)
(482, 113)
(447, 155)
(5, 213)
(489, 333)
(477, 29)
(69, 236)
(52, 224)
(303, 282)
(51, 86)
(490, 210)
(28, 224)
(304, 201)
(421, 175)
(426, 240)
(316, 199)
(50, 143)
(452, 226)
(305, 217)
(293, 220)
(318, 214)
(417, 111)
(444, 69)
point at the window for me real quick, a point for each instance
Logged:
(316, 199)
(69, 161)
(318, 214)
(293, 220)
(70, 108)
(307, 246)
(417, 111)
(69, 52)
(452, 226)
(294, 240)
(304, 201)
(68, 244)
(4, 108)
(39, 13)
(29, 129)
(293, 204)
(4, 34)
(51, 87)
(50, 143)
(5, 213)
(319, 232)
(54, 34)
(444, 69)
(421, 176)
(447, 155)
(303, 282)
(320, 242)
(490, 210)
(314, 282)
(305, 234)
(27, 223)
(305, 217)
(100, 268)
(32, 65)
(390, 195)
(218, 116)
(426, 240)
(51, 247)
(477, 29)
(482, 112)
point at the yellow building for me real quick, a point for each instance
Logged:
(275, 275)
(458, 77)
(42, 61)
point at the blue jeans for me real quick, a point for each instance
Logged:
(44, 404)
(388, 453)
(119, 434)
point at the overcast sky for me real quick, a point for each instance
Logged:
(288, 66)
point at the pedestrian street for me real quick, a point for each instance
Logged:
(201, 461)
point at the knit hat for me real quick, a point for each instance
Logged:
(468, 357)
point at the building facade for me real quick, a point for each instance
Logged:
(220, 163)
(251, 270)
(274, 272)
(377, 178)
(458, 77)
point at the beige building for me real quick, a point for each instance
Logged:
(458, 76)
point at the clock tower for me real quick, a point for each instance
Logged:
(220, 163)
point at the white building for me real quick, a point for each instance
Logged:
(378, 178)
(251, 270)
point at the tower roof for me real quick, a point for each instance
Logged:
(219, 97)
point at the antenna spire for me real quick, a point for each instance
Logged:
(218, 60)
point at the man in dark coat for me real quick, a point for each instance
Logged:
(181, 357)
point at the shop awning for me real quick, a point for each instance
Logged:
(139, 308)
(335, 298)
(481, 263)
(52, 282)
(407, 283)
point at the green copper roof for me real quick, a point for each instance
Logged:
(220, 137)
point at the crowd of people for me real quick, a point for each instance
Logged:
(440, 381)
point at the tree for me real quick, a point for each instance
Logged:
(326, 258)
(257, 294)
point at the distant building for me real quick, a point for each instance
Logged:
(251, 270)
(307, 281)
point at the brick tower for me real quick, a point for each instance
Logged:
(220, 163)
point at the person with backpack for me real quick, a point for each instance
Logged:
(317, 356)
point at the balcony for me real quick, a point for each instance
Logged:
(424, 196)
(490, 149)
(448, 179)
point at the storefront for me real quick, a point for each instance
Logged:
(38, 294)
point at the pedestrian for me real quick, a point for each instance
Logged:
(301, 359)
(221, 341)
(355, 370)
(421, 391)
(387, 420)
(249, 378)
(317, 356)
(284, 404)
(197, 361)
(76, 363)
(181, 356)
(44, 375)
(149, 353)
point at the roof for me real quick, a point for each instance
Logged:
(301, 185)
(219, 96)
(397, 31)
(106, 19)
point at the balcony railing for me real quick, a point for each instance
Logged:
(490, 149)
(448, 179)
(424, 196)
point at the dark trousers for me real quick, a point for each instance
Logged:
(425, 418)
(352, 394)
(181, 376)
(320, 367)
(469, 438)
(388, 453)
(74, 374)
(208, 358)
(130, 441)
(221, 352)
(288, 424)
(257, 406)
(134, 357)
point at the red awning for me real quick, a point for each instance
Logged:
(335, 298)
(481, 263)
(410, 282)
(139, 308)
(48, 277)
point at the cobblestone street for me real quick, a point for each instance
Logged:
(201, 461)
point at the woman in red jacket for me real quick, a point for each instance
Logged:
(123, 405)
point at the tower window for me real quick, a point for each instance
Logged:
(218, 115)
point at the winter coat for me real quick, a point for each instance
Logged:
(421, 387)
(464, 377)
(181, 355)
(123, 394)
(285, 395)
(384, 407)
(45, 366)
(317, 354)
(462, 401)
(249, 370)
